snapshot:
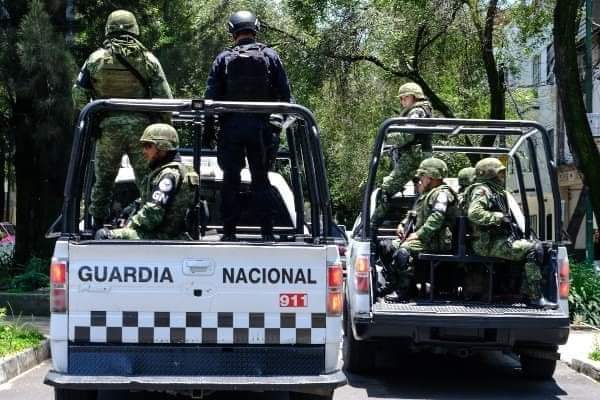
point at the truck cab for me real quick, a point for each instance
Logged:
(197, 316)
(460, 303)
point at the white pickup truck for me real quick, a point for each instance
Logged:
(460, 303)
(198, 316)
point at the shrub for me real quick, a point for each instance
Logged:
(584, 298)
(16, 336)
(34, 277)
(595, 354)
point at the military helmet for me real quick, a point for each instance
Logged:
(243, 21)
(411, 88)
(488, 168)
(164, 136)
(466, 176)
(433, 167)
(121, 21)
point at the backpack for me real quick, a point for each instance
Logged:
(247, 74)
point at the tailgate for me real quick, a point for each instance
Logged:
(198, 293)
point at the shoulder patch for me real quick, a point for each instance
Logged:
(441, 202)
(165, 185)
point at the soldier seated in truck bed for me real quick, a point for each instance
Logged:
(426, 228)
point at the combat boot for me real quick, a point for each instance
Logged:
(542, 302)
(229, 237)
(397, 296)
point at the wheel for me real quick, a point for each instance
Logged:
(70, 394)
(358, 355)
(537, 368)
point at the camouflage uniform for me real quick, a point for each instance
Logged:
(436, 211)
(104, 76)
(485, 200)
(167, 195)
(466, 177)
(411, 150)
(410, 155)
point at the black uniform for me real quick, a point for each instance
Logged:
(250, 71)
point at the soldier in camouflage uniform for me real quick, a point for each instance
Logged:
(409, 150)
(168, 191)
(106, 74)
(489, 216)
(434, 213)
(466, 177)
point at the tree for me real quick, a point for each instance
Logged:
(36, 72)
(585, 150)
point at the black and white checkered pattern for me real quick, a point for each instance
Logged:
(198, 327)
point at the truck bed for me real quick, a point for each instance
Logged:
(462, 308)
(500, 325)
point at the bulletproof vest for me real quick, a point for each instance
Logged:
(112, 79)
(423, 140)
(424, 210)
(247, 76)
(173, 223)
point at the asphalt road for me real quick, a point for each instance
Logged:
(492, 376)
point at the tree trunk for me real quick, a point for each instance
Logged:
(437, 103)
(495, 76)
(585, 150)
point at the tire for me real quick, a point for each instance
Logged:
(537, 368)
(358, 355)
(70, 394)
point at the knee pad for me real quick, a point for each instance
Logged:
(385, 249)
(401, 258)
(536, 254)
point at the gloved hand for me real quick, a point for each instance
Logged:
(103, 234)
(506, 221)
(400, 231)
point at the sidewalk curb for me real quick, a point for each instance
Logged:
(586, 368)
(21, 362)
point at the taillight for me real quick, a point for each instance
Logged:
(361, 274)
(563, 280)
(335, 282)
(58, 286)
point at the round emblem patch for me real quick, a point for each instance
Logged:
(165, 185)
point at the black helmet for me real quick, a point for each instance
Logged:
(243, 21)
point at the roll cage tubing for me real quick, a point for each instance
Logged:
(450, 127)
(313, 159)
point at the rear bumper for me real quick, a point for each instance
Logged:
(496, 331)
(316, 384)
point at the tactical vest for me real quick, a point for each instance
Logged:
(113, 79)
(173, 225)
(423, 140)
(247, 74)
(441, 240)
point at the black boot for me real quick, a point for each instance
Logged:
(397, 296)
(542, 302)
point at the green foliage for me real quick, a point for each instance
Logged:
(34, 276)
(16, 336)
(584, 298)
(595, 354)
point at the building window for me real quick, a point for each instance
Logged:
(535, 70)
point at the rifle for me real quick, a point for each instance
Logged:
(511, 229)
(197, 217)
(411, 224)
